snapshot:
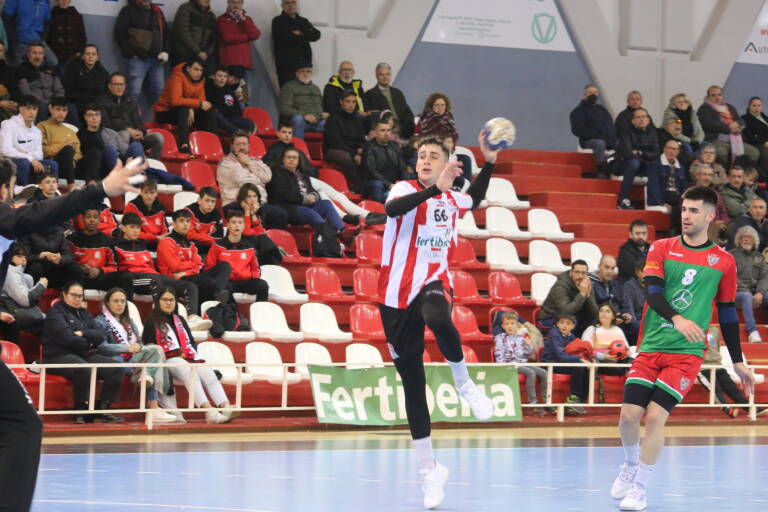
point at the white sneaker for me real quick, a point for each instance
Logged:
(160, 416)
(229, 414)
(635, 499)
(623, 482)
(481, 405)
(432, 483)
(198, 324)
(146, 378)
(754, 337)
(214, 417)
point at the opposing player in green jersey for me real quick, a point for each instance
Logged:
(684, 276)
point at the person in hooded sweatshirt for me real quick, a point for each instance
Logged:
(183, 103)
(229, 110)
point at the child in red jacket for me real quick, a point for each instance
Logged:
(152, 214)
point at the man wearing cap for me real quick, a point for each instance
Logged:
(301, 103)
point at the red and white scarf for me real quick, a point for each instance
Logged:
(176, 343)
(123, 333)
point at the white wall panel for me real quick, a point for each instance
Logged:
(643, 24)
(352, 13)
(678, 28)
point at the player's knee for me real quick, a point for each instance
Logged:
(630, 416)
(655, 419)
(437, 314)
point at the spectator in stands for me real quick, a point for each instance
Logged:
(707, 155)
(22, 142)
(249, 203)
(754, 218)
(227, 109)
(592, 124)
(194, 34)
(120, 112)
(142, 35)
(680, 108)
(9, 89)
(634, 290)
(344, 139)
(183, 102)
(667, 180)
(285, 141)
(166, 328)
(736, 194)
(96, 267)
(20, 297)
(38, 80)
(50, 256)
(48, 188)
(291, 35)
(573, 295)
(386, 97)
(383, 163)
(32, 18)
(134, 257)
(151, 212)
(236, 33)
(437, 119)
(601, 335)
(466, 164)
(514, 346)
(756, 129)
(205, 223)
(70, 336)
(752, 270)
(60, 143)
(66, 36)
(633, 250)
(178, 257)
(98, 146)
(638, 147)
(85, 78)
(607, 289)
(554, 352)
(722, 127)
(123, 342)
(241, 256)
(301, 103)
(672, 129)
(339, 84)
(624, 122)
(717, 228)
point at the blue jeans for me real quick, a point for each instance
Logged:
(598, 147)
(24, 169)
(141, 70)
(300, 125)
(744, 303)
(318, 213)
(630, 168)
(377, 190)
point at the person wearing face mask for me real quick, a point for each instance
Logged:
(593, 125)
(301, 103)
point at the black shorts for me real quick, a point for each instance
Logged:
(404, 328)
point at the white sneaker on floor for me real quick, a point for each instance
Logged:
(229, 414)
(623, 482)
(432, 483)
(635, 499)
(198, 324)
(754, 337)
(214, 417)
(481, 405)
(160, 416)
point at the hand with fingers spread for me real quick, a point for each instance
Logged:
(450, 172)
(118, 183)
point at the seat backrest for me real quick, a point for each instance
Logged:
(205, 306)
(362, 355)
(464, 285)
(463, 252)
(368, 247)
(372, 206)
(317, 317)
(544, 252)
(133, 313)
(285, 240)
(365, 281)
(541, 283)
(461, 150)
(301, 146)
(500, 189)
(182, 309)
(256, 146)
(205, 145)
(259, 116)
(365, 320)
(503, 286)
(258, 353)
(500, 251)
(497, 217)
(334, 178)
(170, 149)
(323, 281)
(11, 353)
(588, 252)
(184, 199)
(278, 278)
(215, 352)
(199, 174)
(470, 356)
(308, 352)
(268, 316)
(541, 220)
(468, 221)
(464, 319)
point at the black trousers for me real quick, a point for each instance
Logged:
(255, 286)
(349, 167)
(204, 120)
(404, 329)
(81, 377)
(107, 281)
(20, 435)
(212, 281)
(147, 284)
(267, 251)
(57, 275)
(579, 380)
(66, 160)
(88, 168)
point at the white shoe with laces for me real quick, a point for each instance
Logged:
(623, 482)
(214, 417)
(432, 483)
(635, 499)
(754, 337)
(481, 405)
(196, 323)
(160, 416)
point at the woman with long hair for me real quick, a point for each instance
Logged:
(437, 119)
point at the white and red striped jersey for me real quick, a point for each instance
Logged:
(418, 245)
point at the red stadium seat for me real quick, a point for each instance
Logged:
(170, 149)
(264, 126)
(285, 240)
(372, 206)
(504, 288)
(11, 354)
(466, 323)
(368, 248)
(365, 322)
(199, 174)
(365, 283)
(257, 148)
(324, 285)
(302, 146)
(425, 357)
(495, 310)
(337, 180)
(463, 256)
(206, 146)
(465, 289)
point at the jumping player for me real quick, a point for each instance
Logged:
(415, 287)
(684, 276)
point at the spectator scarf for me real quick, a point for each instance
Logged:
(123, 333)
(175, 342)
(737, 143)
(432, 123)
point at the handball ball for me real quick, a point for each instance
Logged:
(619, 349)
(499, 133)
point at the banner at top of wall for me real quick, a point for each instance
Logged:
(528, 24)
(755, 49)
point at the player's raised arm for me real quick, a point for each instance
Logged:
(479, 185)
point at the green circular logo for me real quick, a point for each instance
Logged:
(544, 28)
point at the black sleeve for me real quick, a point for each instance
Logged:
(148, 336)
(656, 300)
(404, 204)
(730, 332)
(479, 185)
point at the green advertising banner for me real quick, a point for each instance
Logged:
(374, 396)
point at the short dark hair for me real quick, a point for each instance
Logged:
(116, 73)
(285, 124)
(433, 141)
(149, 184)
(19, 249)
(578, 262)
(240, 134)
(242, 194)
(70, 285)
(131, 219)
(7, 171)
(37, 43)
(46, 175)
(704, 194)
(637, 223)
(221, 68)
(209, 191)
(235, 213)
(59, 101)
(27, 100)
(182, 213)
(92, 106)
(735, 168)
(191, 62)
(346, 94)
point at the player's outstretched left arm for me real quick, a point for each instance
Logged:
(479, 185)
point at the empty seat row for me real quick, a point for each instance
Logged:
(502, 222)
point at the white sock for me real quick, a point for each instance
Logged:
(632, 454)
(460, 373)
(424, 456)
(644, 474)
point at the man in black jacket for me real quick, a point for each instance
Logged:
(121, 113)
(194, 34)
(228, 109)
(713, 114)
(142, 35)
(291, 35)
(385, 97)
(624, 119)
(592, 124)
(638, 147)
(633, 250)
(383, 163)
(344, 139)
